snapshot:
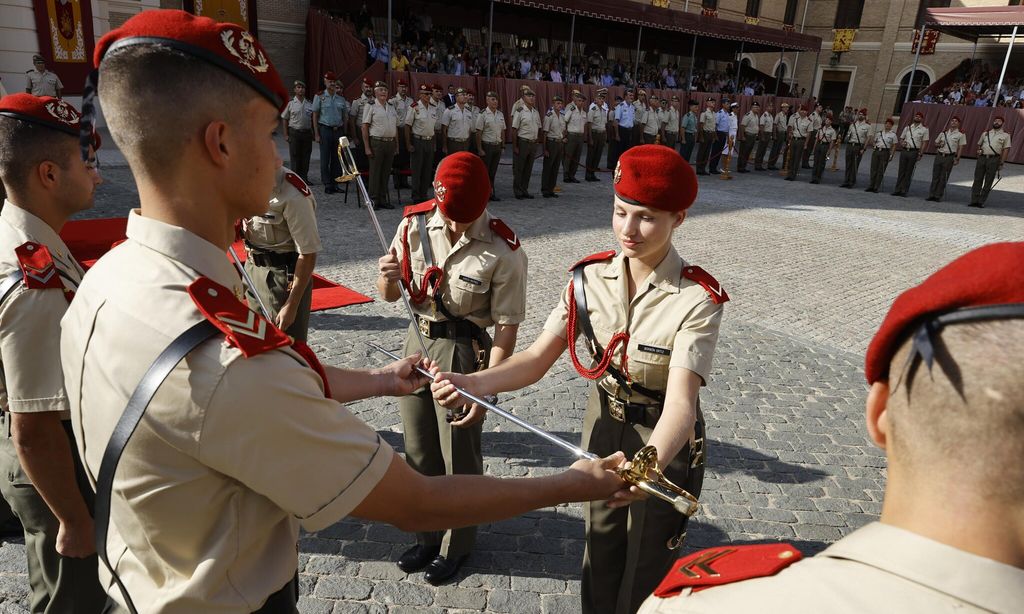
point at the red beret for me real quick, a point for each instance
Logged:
(330, 76)
(919, 114)
(225, 45)
(989, 275)
(424, 88)
(655, 176)
(863, 111)
(957, 118)
(367, 82)
(402, 82)
(462, 187)
(43, 110)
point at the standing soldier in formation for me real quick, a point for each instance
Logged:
(521, 101)
(419, 142)
(597, 133)
(42, 480)
(613, 135)
(652, 128)
(525, 131)
(816, 118)
(640, 112)
(576, 124)
(401, 102)
(779, 137)
(281, 246)
(799, 138)
(671, 122)
(825, 137)
(882, 152)
(622, 127)
(552, 142)
(846, 119)
(913, 140)
(688, 129)
(437, 97)
(949, 145)
(993, 147)
(456, 124)
(380, 134)
(330, 113)
(722, 124)
(490, 138)
(766, 125)
(706, 136)
(749, 134)
(41, 81)
(356, 132)
(464, 272)
(473, 111)
(297, 127)
(856, 144)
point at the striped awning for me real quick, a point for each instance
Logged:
(974, 23)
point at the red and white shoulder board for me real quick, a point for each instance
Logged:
(598, 257)
(244, 328)
(37, 266)
(423, 207)
(725, 565)
(299, 184)
(714, 289)
(501, 229)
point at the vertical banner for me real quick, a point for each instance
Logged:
(931, 38)
(66, 41)
(239, 12)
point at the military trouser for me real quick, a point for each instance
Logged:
(59, 584)
(636, 136)
(402, 162)
(820, 157)
(853, 155)
(283, 601)
(686, 150)
(434, 447)
(492, 155)
(796, 150)
(746, 147)
(422, 163)
(597, 140)
(552, 162)
(984, 175)
(649, 139)
(777, 145)
(571, 158)
(941, 169)
(620, 146)
(721, 140)
(806, 159)
(300, 148)
(613, 153)
(457, 145)
(330, 166)
(522, 166)
(879, 162)
(380, 167)
(626, 552)
(908, 161)
(671, 138)
(438, 150)
(704, 152)
(763, 142)
(271, 284)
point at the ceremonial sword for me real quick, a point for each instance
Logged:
(248, 282)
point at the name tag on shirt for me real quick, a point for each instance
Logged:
(475, 282)
(653, 349)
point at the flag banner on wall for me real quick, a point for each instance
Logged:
(931, 38)
(751, 21)
(64, 30)
(240, 12)
(842, 39)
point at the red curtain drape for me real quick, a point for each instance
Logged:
(332, 45)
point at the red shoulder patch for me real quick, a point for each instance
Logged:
(598, 257)
(413, 105)
(299, 184)
(725, 565)
(714, 289)
(245, 329)
(37, 267)
(501, 229)
(423, 207)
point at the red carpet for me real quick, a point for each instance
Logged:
(90, 239)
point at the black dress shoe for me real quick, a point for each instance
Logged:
(417, 557)
(743, 171)
(844, 185)
(592, 178)
(872, 190)
(384, 206)
(702, 172)
(715, 172)
(520, 197)
(528, 196)
(773, 168)
(495, 199)
(807, 166)
(978, 205)
(896, 194)
(442, 569)
(546, 194)
(790, 179)
(815, 181)
(758, 169)
(932, 199)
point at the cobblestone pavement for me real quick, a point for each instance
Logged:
(810, 269)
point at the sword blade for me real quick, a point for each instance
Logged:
(249, 284)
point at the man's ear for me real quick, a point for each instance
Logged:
(877, 415)
(48, 173)
(215, 142)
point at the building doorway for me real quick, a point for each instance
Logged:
(835, 88)
(918, 84)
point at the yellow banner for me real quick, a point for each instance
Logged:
(66, 36)
(843, 40)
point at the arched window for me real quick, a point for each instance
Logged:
(920, 81)
(780, 71)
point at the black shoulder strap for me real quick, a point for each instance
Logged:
(126, 425)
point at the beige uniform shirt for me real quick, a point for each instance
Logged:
(801, 126)
(233, 453)
(707, 121)
(885, 139)
(750, 124)
(554, 126)
(358, 105)
(43, 83)
(439, 110)
(289, 225)
(575, 118)
(527, 122)
(640, 113)
(491, 126)
(458, 122)
(914, 137)
(671, 321)
(993, 142)
(597, 117)
(653, 122)
(857, 133)
(298, 114)
(816, 121)
(827, 134)
(767, 124)
(949, 141)
(401, 104)
(382, 119)
(879, 568)
(421, 118)
(30, 372)
(781, 121)
(484, 279)
(671, 120)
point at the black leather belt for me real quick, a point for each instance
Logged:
(989, 155)
(646, 414)
(268, 259)
(448, 329)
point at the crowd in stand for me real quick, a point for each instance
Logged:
(974, 84)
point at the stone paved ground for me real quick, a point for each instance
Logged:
(810, 270)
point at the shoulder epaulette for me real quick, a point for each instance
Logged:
(413, 105)
(299, 184)
(423, 207)
(244, 328)
(37, 267)
(598, 257)
(501, 229)
(710, 284)
(725, 565)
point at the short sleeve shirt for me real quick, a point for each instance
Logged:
(458, 121)
(527, 123)
(289, 225)
(767, 123)
(914, 137)
(781, 121)
(949, 141)
(491, 126)
(44, 83)
(655, 120)
(298, 114)
(672, 120)
(750, 123)
(708, 120)
(382, 119)
(993, 142)
(331, 109)
(597, 117)
(827, 134)
(575, 118)
(857, 133)
(885, 139)
(421, 119)
(554, 125)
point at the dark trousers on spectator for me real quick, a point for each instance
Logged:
(421, 162)
(686, 145)
(853, 156)
(762, 147)
(746, 147)
(300, 148)
(492, 155)
(330, 166)
(597, 140)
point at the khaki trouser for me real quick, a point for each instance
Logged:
(777, 145)
(422, 162)
(571, 159)
(809, 150)
(941, 169)
(59, 585)
(853, 155)
(879, 162)
(908, 160)
(552, 162)
(796, 152)
(271, 283)
(597, 141)
(820, 157)
(648, 139)
(746, 147)
(626, 554)
(522, 166)
(704, 150)
(432, 446)
(984, 175)
(457, 145)
(763, 142)
(380, 168)
(492, 155)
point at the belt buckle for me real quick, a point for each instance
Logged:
(424, 325)
(617, 408)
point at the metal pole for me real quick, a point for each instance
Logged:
(917, 56)
(693, 60)
(782, 56)
(1002, 73)
(572, 36)
(391, 50)
(636, 64)
(796, 62)
(686, 6)
(814, 81)
(490, 40)
(739, 69)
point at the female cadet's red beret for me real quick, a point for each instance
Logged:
(989, 275)
(655, 176)
(462, 187)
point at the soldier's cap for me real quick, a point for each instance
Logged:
(380, 84)
(299, 82)
(462, 187)
(785, 104)
(403, 82)
(617, 97)
(529, 92)
(461, 90)
(694, 102)
(37, 58)
(734, 105)
(709, 99)
(655, 176)
(367, 82)
(642, 92)
(919, 114)
(957, 118)
(603, 91)
(557, 98)
(889, 120)
(675, 98)
(578, 94)
(524, 88)
(492, 94)
(424, 88)
(46, 111)
(755, 104)
(330, 76)
(863, 111)
(471, 93)
(984, 284)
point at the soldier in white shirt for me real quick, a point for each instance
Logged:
(380, 138)
(856, 143)
(671, 123)
(766, 123)
(750, 129)
(553, 137)
(597, 133)
(419, 142)
(913, 140)
(993, 147)
(882, 152)
(576, 126)
(401, 102)
(490, 137)
(949, 146)
(456, 124)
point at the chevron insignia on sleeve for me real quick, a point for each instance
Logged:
(37, 267)
(299, 184)
(725, 565)
(501, 229)
(714, 289)
(244, 328)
